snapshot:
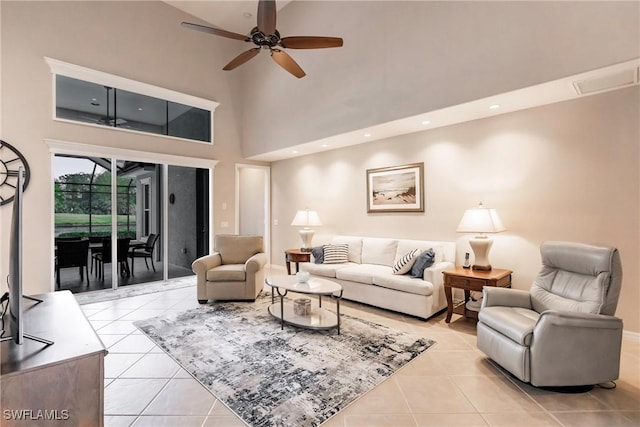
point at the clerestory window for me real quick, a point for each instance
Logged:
(95, 98)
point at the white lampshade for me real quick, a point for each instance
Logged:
(306, 218)
(481, 220)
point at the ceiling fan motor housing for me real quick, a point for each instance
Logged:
(261, 39)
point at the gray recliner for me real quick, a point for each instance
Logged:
(563, 331)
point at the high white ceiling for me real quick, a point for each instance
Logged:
(240, 16)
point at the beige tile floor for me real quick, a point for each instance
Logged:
(451, 384)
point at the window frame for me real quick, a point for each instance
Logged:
(99, 77)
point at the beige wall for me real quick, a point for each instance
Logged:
(568, 171)
(405, 58)
(137, 40)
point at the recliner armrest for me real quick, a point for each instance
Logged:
(492, 296)
(433, 273)
(256, 262)
(205, 263)
(572, 319)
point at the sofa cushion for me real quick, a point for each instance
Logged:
(355, 247)
(318, 254)
(424, 260)
(336, 254)
(227, 273)
(379, 251)
(325, 270)
(363, 273)
(404, 264)
(405, 245)
(403, 283)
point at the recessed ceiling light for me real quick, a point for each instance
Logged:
(367, 135)
(139, 108)
(324, 145)
(494, 106)
(426, 122)
(294, 151)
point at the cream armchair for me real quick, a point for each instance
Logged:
(563, 331)
(235, 271)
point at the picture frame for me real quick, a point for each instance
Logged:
(396, 189)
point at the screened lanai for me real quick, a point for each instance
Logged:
(83, 214)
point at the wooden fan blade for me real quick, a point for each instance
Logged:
(267, 16)
(242, 58)
(285, 61)
(215, 31)
(310, 42)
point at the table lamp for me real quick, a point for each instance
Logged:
(480, 220)
(306, 218)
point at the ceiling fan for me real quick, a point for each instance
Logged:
(266, 36)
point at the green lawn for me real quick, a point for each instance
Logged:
(69, 219)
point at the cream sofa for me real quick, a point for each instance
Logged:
(367, 277)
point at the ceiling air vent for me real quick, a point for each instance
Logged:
(616, 80)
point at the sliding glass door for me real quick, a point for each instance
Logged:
(139, 203)
(82, 212)
(161, 224)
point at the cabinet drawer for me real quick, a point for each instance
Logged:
(465, 282)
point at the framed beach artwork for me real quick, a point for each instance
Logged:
(396, 189)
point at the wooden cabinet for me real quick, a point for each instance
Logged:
(61, 384)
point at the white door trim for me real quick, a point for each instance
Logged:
(267, 204)
(80, 149)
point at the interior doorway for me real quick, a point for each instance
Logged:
(253, 202)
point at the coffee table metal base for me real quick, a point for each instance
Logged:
(319, 318)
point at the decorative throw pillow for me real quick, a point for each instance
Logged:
(404, 264)
(336, 254)
(318, 254)
(424, 260)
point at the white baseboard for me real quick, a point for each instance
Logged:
(633, 336)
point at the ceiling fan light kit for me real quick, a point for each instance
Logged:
(266, 36)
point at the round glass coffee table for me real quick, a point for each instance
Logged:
(318, 317)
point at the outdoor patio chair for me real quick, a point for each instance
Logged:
(95, 247)
(72, 253)
(145, 252)
(104, 257)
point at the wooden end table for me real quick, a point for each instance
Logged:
(297, 256)
(471, 280)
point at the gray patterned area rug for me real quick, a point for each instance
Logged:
(272, 377)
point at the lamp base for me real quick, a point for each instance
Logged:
(306, 234)
(481, 246)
